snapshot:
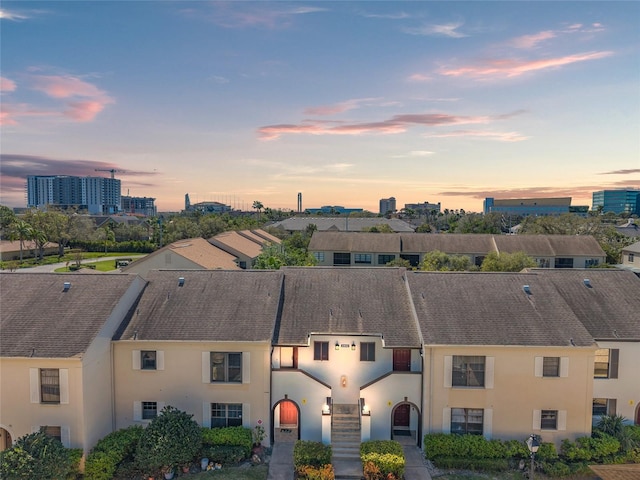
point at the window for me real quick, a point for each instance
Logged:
(149, 410)
(631, 257)
(226, 415)
(226, 367)
(362, 258)
(242, 265)
(367, 352)
(319, 256)
(604, 406)
(413, 260)
(342, 259)
(551, 367)
(564, 263)
(467, 371)
(384, 259)
(606, 363)
(148, 360)
(49, 385)
(53, 432)
(591, 262)
(549, 420)
(321, 350)
(542, 262)
(467, 421)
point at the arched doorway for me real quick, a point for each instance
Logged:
(406, 425)
(286, 421)
(637, 422)
(5, 439)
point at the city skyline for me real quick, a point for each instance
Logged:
(346, 102)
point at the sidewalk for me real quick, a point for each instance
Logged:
(415, 466)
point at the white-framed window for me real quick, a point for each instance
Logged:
(367, 351)
(146, 410)
(319, 256)
(148, 360)
(604, 406)
(225, 367)
(49, 385)
(384, 259)
(226, 415)
(467, 421)
(551, 366)
(471, 371)
(550, 419)
(606, 363)
(321, 351)
(362, 258)
(59, 432)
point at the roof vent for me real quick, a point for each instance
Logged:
(587, 283)
(526, 289)
(180, 281)
(67, 286)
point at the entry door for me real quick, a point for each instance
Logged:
(401, 416)
(288, 414)
(401, 360)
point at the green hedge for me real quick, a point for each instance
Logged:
(314, 454)
(307, 472)
(382, 458)
(224, 454)
(476, 464)
(233, 436)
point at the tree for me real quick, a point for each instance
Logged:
(437, 261)
(21, 231)
(380, 228)
(258, 206)
(172, 439)
(399, 262)
(37, 455)
(7, 217)
(41, 225)
(507, 262)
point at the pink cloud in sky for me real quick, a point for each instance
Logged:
(83, 111)
(514, 68)
(65, 86)
(531, 41)
(338, 107)
(419, 77)
(10, 112)
(396, 124)
(7, 85)
(498, 136)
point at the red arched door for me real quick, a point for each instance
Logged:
(288, 414)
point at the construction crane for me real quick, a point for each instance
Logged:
(111, 170)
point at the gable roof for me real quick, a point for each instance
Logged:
(633, 248)
(40, 319)
(606, 301)
(452, 243)
(259, 239)
(346, 223)
(236, 244)
(267, 236)
(471, 308)
(355, 241)
(367, 301)
(197, 250)
(211, 305)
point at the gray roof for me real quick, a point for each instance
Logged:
(40, 319)
(633, 248)
(452, 243)
(609, 306)
(464, 308)
(367, 301)
(342, 224)
(355, 242)
(212, 305)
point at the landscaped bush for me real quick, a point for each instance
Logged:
(171, 440)
(381, 446)
(40, 456)
(224, 454)
(307, 472)
(477, 464)
(314, 454)
(114, 450)
(234, 436)
(600, 448)
(382, 459)
(467, 446)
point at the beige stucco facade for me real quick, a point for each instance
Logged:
(515, 392)
(182, 379)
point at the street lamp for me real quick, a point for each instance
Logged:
(532, 444)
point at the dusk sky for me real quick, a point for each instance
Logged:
(346, 102)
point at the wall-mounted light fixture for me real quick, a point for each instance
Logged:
(353, 346)
(337, 345)
(326, 408)
(364, 408)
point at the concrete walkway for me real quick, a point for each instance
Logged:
(281, 463)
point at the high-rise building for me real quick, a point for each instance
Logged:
(100, 196)
(424, 207)
(387, 205)
(617, 201)
(139, 206)
(527, 206)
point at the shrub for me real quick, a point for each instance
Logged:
(439, 445)
(309, 472)
(381, 446)
(237, 436)
(307, 453)
(468, 446)
(478, 464)
(172, 439)
(224, 454)
(112, 451)
(555, 469)
(596, 449)
(40, 456)
(547, 452)
(387, 463)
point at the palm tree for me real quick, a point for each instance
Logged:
(21, 231)
(258, 207)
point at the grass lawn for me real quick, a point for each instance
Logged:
(244, 472)
(513, 475)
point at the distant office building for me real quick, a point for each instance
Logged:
(528, 206)
(617, 201)
(139, 206)
(97, 195)
(332, 210)
(423, 208)
(208, 207)
(387, 205)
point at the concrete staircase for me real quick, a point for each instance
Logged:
(345, 441)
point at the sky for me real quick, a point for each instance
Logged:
(345, 102)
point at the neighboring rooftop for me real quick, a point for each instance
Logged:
(343, 224)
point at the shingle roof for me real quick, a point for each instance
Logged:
(355, 242)
(456, 308)
(233, 242)
(14, 246)
(267, 236)
(452, 243)
(351, 224)
(608, 304)
(212, 305)
(617, 472)
(633, 248)
(346, 301)
(40, 319)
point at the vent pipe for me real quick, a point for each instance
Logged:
(180, 281)
(526, 289)
(67, 286)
